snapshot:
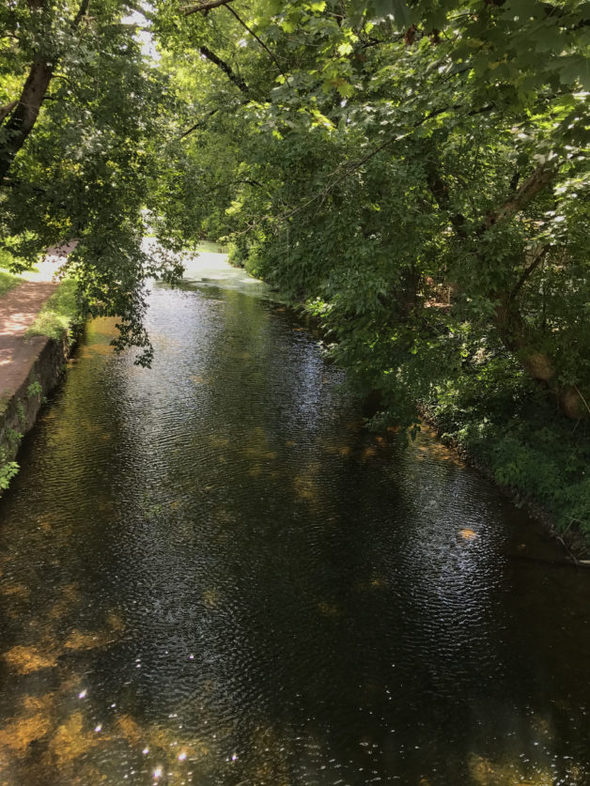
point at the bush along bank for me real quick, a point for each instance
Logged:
(50, 342)
(502, 424)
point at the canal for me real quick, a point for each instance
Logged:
(210, 574)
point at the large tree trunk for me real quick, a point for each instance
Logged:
(23, 117)
(19, 118)
(536, 360)
(513, 330)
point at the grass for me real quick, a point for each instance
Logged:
(59, 314)
(8, 282)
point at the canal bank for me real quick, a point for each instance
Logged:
(38, 331)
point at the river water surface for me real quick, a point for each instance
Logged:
(211, 575)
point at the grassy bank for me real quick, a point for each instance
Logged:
(508, 428)
(59, 315)
(8, 282)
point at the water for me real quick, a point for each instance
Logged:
(211, 575)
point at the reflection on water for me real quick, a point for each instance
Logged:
(209, 574)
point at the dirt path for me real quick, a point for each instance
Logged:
(18, 309)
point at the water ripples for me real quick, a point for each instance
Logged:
(212, 575)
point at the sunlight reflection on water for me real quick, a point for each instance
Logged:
(210, 574)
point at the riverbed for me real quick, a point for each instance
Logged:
(211, 574)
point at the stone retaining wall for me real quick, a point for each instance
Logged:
(19, 411)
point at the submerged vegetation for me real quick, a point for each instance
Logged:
(414, 173)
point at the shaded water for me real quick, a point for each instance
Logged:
(211, 575)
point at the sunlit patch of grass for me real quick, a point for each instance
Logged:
(305, 487)
(159, 742)
(8, 282)
(306, 482)
(211, 598)
(130, 730)
(260, 453)
(80, 640)
(47, 521)
(271, 763)
(376, 583)
(219, 442)
(16, 592)
(69, 598)
(328, 609)
(71, 740)
(223, 516)
(59, 313)
(428, 445)
(487, 773)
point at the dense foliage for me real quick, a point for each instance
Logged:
(82, 111)
(413, 172)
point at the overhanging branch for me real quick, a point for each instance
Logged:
(257, 38)
(205, 6)
(527, 273)
(225, 67)
(540, 178)
(198, 124)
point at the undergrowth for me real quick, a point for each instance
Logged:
(510, 427)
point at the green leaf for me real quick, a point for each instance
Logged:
(575, 67)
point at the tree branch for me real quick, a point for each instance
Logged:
(81, 13)
(199, 124)
(540, 178)
(440, 191)
(348, 169)
(255, 36)
(7, 109)
(205, 6)
(226, 68)
(23, 116)
(527, 273)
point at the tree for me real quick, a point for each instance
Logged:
(415, 174)
(77, 145)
